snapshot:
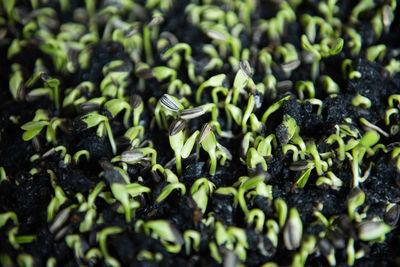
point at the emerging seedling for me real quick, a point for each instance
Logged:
(94, 119)
(209, 143)
(177, 141)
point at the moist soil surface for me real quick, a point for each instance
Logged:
(28, 187)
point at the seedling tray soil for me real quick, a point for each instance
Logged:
(199, 133)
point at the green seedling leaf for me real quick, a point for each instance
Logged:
(356, 199)
(16, 83)
(93, 119)
(167, 190)
(235, 112)
(369, 139)
(5, 217)
(115, 106)
(189, 144)
(164, 230)
(28, 135)
(337, 47)
(301, 182)
(34, 125)
(162, 73)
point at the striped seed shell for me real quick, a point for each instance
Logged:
(169, 103)
(176, 126)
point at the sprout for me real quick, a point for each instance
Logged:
(25, 260)
(355, 200)
(16, 82)
(177, 141)
(55, 202)
(167, 190)
(369, 139)
(209, 143)
(341, 149)
(53, 83)
(249, 109)
(281, 209)
(115, 106)
(331, 87)
(274, 107)
(200, 190)
(287, 129)
(377, 51)
(254, 158)
(350, 252)
(189, 235)
(167, 105)
(121, 194)
(243, 76)
(214, 252)
(249, 184)
(80, 153)
(362, 6)
(215, 82)
(258, 216)
(5, 217)
(169, 236)
(93, 119)
(102, 239)
(293, 230)
(301, 182)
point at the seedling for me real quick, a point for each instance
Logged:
(210, 145)
(369, 139)
(355, 200)
(41, 120)
(115, 106)
(200, 191)
(169, 236)
(177, 141)
(215, 82)
(191, 236)
(94, 119)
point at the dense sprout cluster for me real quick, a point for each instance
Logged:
(160, 132)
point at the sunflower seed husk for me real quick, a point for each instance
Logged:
(60, 234)
(45, 77)
(284, 86)
(293, 231)
(59, 220)
(191, 113)
(169, 103)
(131, 31)
(89, 107)
(135, 101)
(216, 35)
(387, 15)
(155, 21)
(35, 95)
(131, 155)
(49, 153)
(290, 65)
(392, 216)
(145, 73)
(227, 152)
(245, 67)
(176, 126)
(205, 130)
(177, 235)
